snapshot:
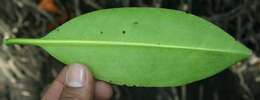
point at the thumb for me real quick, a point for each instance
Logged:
(78, 83)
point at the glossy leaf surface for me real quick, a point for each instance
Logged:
(143, 46)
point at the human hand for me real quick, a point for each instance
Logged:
(75, 82)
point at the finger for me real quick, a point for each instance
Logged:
(103, 91)
(54, 91)
(78, 83)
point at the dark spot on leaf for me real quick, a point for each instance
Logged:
(135, 22)
(123, 32)
(101, 32)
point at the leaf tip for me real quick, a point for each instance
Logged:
(246, 53)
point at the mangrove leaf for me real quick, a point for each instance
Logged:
(143, 46)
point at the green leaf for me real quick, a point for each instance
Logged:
(143, 46)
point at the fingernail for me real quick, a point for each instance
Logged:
(75, 76)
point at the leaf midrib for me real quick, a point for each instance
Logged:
(39, 42)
